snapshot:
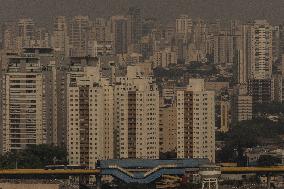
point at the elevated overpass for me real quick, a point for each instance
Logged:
(135, 170)
(9, 173)
(147, 171)
(247, 170)
(6, 173)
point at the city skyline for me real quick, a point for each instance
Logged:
(81, 89)
(106, 48)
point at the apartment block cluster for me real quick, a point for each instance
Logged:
(88, 86)
(99, 113)
(97, 87)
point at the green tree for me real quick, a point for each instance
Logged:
(168, 155)
(247, 134)
(272, 108)
(34, 156)
(268, 160)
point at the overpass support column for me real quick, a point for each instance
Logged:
(209, 176)
(98, 181)
(210, 183)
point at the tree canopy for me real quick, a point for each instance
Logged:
(268, 160)
(34, 157)
(247, 134)
(272, 108)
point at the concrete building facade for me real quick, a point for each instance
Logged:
(136, 117)
(29, 100)
(196, 122)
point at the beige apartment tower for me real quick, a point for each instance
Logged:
(168, 128)
(60, 38)
(29, 100)
(260, 50)
(90, 121)
(136, 116)
(196, 122)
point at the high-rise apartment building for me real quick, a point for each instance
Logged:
(224, 116)
(101, 29)
(196, 122)
(9, 36)
(105, 121)
(136, 116)
(90, 117)
(241, 104)
(101, 36)
(260, 50)
(29, 100)
(184, 25)
(146, 47)
(200, 35)
(41, 38)
(260, 60)
(164, 58)
(78, 37)
(275, 43)
(241, 54)
(223, 48)
(120, 34)
(261, 90)
(168, 128)
(60, 39)
(135, 25)
(26, 32)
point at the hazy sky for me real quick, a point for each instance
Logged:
(43, 10)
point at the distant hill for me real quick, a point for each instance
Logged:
(165, 10)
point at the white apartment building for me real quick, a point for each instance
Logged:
(26, 32)
(27, 117)
(184, 25)
(136, 117)
(60, 39)
(260, 50)
(196, 122)
(90, 117)
(79, 35)
(164, 58)
(223, 48)
(242, 108)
